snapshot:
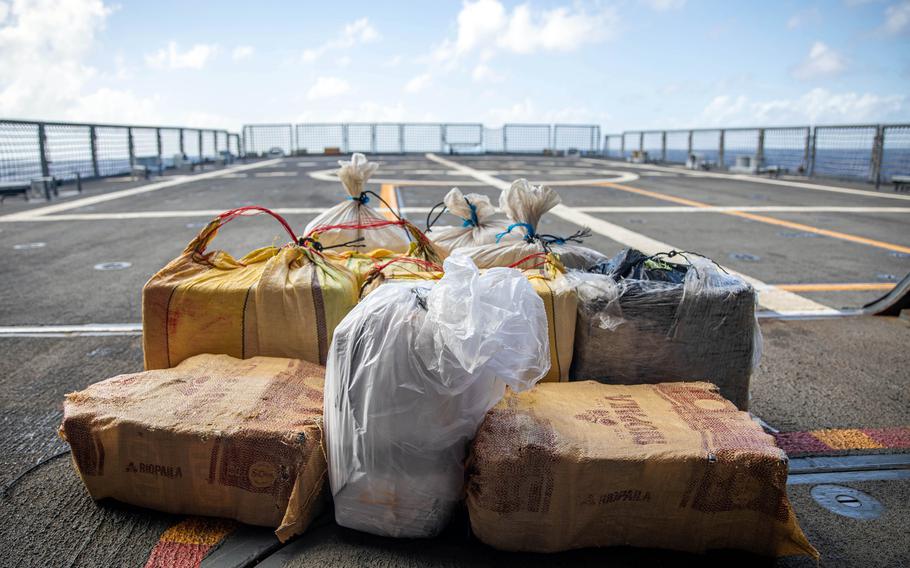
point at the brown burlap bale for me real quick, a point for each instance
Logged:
(216, 436)
(671, 465)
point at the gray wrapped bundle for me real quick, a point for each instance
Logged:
(645, 320)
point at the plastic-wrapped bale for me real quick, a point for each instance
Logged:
(647, 320)
(546, 277)
(354, 210)
(672, 465)
(412, 371)
(477, 224)
(213, 436)
(277, 302)
(524, 204)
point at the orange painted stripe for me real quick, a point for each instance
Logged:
(186, 543)
(855, 287)
(760, 218)
(390, 196)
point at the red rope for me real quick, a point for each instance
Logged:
(242, 211)
(418, 261)
(542, 255)
(355, 225)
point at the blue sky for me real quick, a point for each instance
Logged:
(624, 64)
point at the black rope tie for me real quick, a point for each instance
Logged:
(397, 214)
(319, 247)
(435, 219)
(683, 253)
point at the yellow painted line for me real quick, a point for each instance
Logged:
(855, 287)
(846, 439)
(389, 194)
(762, 218)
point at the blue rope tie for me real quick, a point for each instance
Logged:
(527, 227)
(472, 222)
(363, 199)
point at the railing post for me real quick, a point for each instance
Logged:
(812, 135)
(345, 144)
(182, 151)
(129, 143)
(401, 138)
(372, 138)
(93, 142)
(720, 150)
(160, 152)
(201, 152)
(878, 147)
(552, 137)
(641, 142)
(622, 145)
(689, 146)
(505, 140)
(42, 150)
(760, 150)
(663, 146)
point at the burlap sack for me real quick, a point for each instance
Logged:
(214, 436)
(477, 224)
(355, 211)
(524, 204)
(672, 465)
(276, 302)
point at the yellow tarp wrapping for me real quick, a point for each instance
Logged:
(277, 302)
(671, 465)
(214, 436)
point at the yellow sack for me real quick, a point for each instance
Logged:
(547, 276)
(672, 465)
(277, 302)
(214, 436)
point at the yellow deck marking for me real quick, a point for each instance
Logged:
(390, 196)
(761, 218)
(855, 287)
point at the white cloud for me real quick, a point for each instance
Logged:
(43, 45)
(113, 106)
(484, 74)
(665, 5)
(418, 83)
(354, 33)
(822, 61)
(814, 107)
(343, 61)
(393, 61)
(897, 18)
(326, 87)
(171, 57)
(803, 18)
(486, 26)
(242, 52)
(366, 111)
(527, 111)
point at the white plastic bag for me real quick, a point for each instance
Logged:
(477, 227)
(525, 204)
(410, 375)
(354, 209)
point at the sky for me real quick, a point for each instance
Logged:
(624, 64)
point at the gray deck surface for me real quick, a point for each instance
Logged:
(833, 373)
